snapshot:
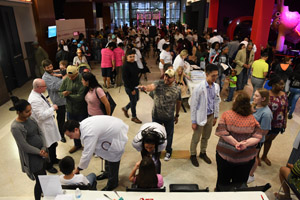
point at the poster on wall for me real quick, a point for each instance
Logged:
(139, 16)
(156, 16)
(67, 29)
(148, 16)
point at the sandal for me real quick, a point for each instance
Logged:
(267, 161)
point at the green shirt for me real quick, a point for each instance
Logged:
(75, 101)
(232, 78)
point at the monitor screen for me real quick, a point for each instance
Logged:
(51, 31)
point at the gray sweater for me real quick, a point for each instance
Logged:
(30, 141)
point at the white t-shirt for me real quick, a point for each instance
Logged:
(137, 58)
(177, 37)
(178, 62)
(214, 39)
(119, 40)
(161, 43)
(78, 179)
(138, 42)
(166, 56)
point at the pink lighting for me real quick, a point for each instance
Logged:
(287, 24)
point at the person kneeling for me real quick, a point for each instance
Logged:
(67, 166)
(147, 177)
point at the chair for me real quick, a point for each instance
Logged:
(292, 187)
(239, 187)
(134, 188)
(186, 188)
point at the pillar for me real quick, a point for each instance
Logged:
(213, 14)
(261, 23)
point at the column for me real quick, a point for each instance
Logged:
(261, 23)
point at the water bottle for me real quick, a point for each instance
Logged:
(77, 193)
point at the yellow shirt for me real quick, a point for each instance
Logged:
(259, 67)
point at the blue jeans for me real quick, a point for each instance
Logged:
(169, 126)
(242, 79)
(293, 98)
(92, 178)
(230, 94)
(78, 118)
(133, 101)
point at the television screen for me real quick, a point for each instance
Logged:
(51, 31)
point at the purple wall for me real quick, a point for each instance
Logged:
(232, 9)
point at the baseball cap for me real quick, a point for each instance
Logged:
(72, 69)
(74, 41)
(170, 73)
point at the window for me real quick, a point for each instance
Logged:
(121, 12)
(172, 11)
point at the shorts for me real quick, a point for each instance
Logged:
(106, 72)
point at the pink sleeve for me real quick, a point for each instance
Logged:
(100, 92)
(160, 181)
(123, 53)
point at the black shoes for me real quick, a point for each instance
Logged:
(102, 176)
(56, 161)
(52, 170)
(63, 139)
(204, 157)
(194, 160)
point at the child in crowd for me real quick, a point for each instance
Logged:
(67, 166)
(62, 71)
(147, 177)
(232, 85)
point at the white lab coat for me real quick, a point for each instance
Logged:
(104, 135)
(137, 140)
(44, 115)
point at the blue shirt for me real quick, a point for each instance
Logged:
(210, 98)
(264, 117)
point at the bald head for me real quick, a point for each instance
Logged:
(39, 85)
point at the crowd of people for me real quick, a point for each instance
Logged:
(253, 122)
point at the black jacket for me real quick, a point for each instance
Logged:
(130, 73)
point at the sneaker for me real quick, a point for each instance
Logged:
(194, 160)
(251, 179)
(136, 120)
(167, 157)
(225, 100)
(290, 116)
(204, 157)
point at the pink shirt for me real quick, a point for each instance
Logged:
(118, 56)
(93, 103)
(107, 56)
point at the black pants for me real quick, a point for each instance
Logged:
(52, 155)
(112, 170)
(37, 187)
(60, 118)
(232, 173)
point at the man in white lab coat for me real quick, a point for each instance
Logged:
(106, 136)
(43, 113)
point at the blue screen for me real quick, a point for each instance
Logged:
(51, 31)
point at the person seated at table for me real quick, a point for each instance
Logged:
(147, 177)
(150, 141)
(291, 174)
(180, 75)
(67, 166)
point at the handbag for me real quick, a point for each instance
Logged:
(111, 101)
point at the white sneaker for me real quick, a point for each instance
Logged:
(167, 157)
(251, 179)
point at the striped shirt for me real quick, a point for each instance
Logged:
(240, 128)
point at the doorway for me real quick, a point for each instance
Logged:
(11, 56)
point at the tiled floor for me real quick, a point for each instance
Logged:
(16, 185)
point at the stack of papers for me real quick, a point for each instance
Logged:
(197, 76)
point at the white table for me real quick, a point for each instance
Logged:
(99, 195)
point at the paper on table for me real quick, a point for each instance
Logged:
(64, 197)
(51, 185)
(102, 198)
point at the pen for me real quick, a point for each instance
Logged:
(262, 197)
